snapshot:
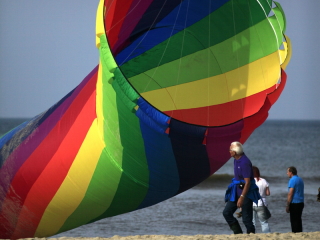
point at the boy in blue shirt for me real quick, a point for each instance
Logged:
(295, 199)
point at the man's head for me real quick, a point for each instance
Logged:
(236, 149)
(291, 171)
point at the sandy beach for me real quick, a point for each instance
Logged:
(260, 236)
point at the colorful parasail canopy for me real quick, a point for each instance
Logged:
(177, 82)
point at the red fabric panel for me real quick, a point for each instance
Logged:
(136, 11)
(218, 139)
(251, 123)
(109, 10)
(273, 97)
(114, 22)
(222, 114)
(54, 174)
(38, 160)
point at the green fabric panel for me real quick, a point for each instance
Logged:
(125, 87)
(105, 180)
(131, 160)
(277, 29)
(177, 72)
(102, 186)
(126, 101)
(134, 180)
(195, 38)
(279, 13)
(106, 56)
(250, 45)
(111, 183)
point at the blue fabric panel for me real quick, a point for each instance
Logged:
(153, 113)
(191, 155)
(164, 179)
(150, 122)
(177, 20)
(10, 134)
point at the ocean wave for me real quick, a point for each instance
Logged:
(221, 181)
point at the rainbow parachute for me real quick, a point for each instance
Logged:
(176, 83)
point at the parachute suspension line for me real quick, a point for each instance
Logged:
(106, 11)
(181, 52)
(275, 34)
(237, 57)
(162, 56)
(264, 78)
(266, 14)
(120, 20)
(208, 72)
(151, 25)
(169, 39)
(280, 27)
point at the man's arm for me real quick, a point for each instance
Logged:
(244, 192)
(289, 199)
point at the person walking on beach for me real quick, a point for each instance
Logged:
(242, 192)
(295, 199)
(258, 209)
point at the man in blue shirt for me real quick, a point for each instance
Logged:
(295, 199)
(241, 192)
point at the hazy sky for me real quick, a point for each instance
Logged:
(48, 47)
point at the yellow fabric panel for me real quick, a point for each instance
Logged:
(288, 53)
(99, 99)
(99, 22)
(283, 53)
(69, 195)
(233, 85)
(208, 61)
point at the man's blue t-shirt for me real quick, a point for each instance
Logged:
(242, 170)
(297, 184)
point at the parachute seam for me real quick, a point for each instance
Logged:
(274, 35)
(155, 70)
(151, 25)
(113, 25)
(169, 39)
(235, 37)
(181, 52)
(208, 73)
(264, 79)
(281, 29)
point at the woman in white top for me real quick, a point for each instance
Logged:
(264, 191)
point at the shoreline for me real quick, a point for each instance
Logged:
(258, 236)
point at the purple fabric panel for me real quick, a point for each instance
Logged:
(136, 11)
(218, 143)
(25, 149)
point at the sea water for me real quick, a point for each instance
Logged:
(273, 147)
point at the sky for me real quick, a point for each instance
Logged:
(48, 47)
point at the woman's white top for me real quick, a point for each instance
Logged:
(262, 184)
